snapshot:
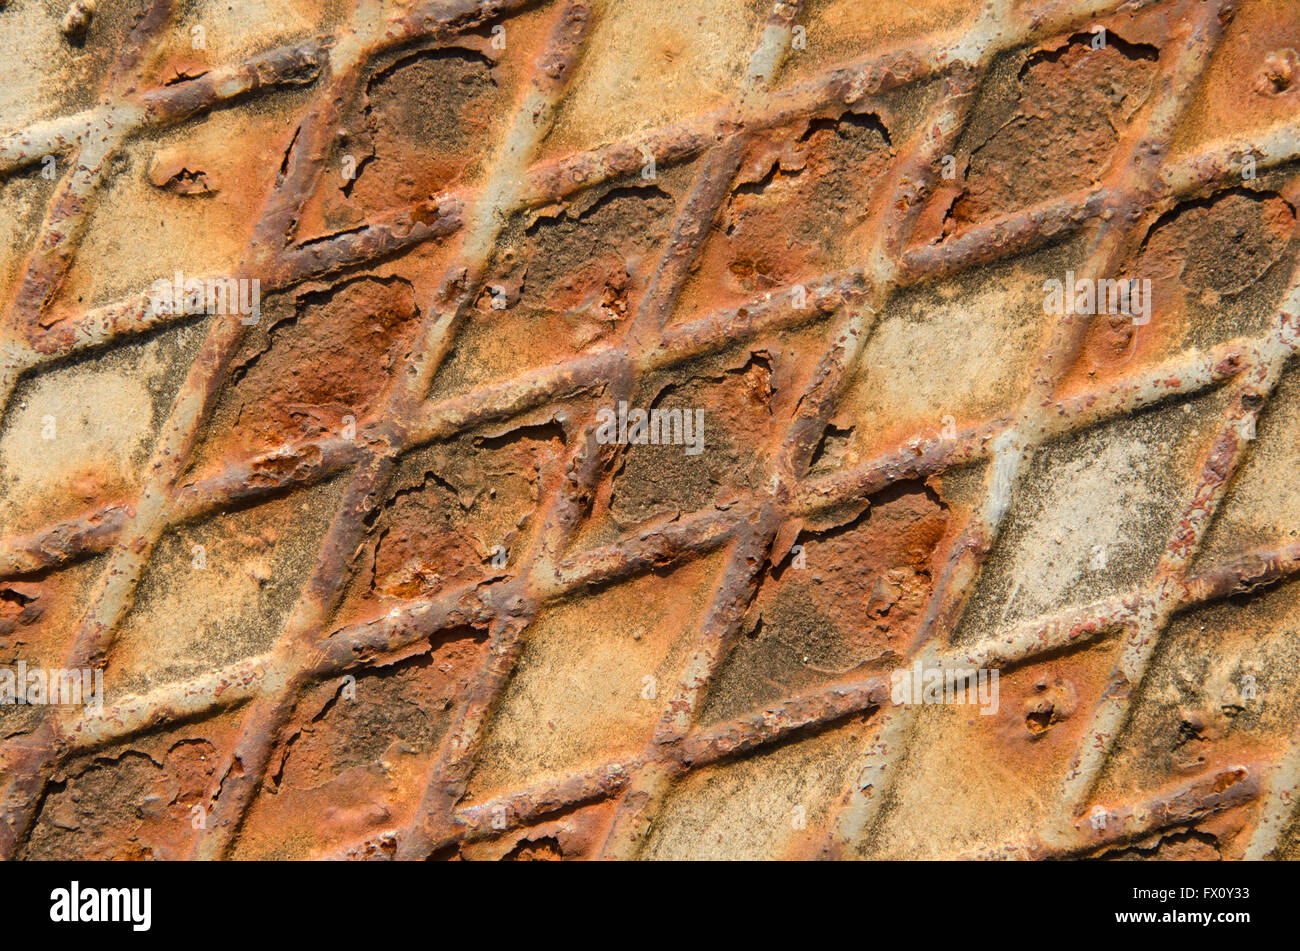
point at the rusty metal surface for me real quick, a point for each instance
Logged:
(360, 573)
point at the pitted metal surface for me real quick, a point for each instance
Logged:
(327, 330)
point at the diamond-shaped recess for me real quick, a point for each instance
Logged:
(1060, 548)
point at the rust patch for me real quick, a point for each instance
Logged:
(846, 601)
(1057, 129)
(325, 367)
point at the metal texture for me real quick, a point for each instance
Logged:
(601, 690)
